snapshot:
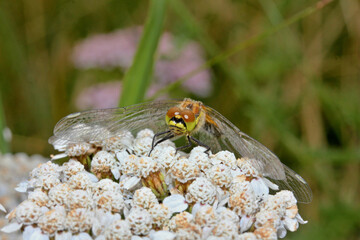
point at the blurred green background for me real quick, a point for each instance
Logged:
(297, 91)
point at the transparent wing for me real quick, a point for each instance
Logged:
(97, 125)
(295, 183)
(222, 134)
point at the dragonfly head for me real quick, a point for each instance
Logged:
(180, 121)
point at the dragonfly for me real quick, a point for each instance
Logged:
(170, 119)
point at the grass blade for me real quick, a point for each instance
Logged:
(138, 78)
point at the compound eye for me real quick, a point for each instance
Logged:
(188, 116)
(173, 112)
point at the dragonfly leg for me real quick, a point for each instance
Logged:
(153, 145)
(185, 146)
(155, 136)
(198, 142)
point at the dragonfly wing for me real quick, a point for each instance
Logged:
(295, 183)
(230, 137)
(97, 125)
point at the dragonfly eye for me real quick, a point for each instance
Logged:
(174, 119)
(172, 113)
(189, 118)
(183, 119)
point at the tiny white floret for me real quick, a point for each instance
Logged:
(175, 203)
(12, 227)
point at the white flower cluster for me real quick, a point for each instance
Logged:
(14, 168)
(116, 192)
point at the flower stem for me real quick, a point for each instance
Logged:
(138, 78)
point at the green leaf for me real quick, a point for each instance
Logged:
(138, 78)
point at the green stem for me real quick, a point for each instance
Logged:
(138, 78)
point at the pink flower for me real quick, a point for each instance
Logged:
(105, 95)
(102, 95)
(105, 51)
(117, 49)
(189, 59)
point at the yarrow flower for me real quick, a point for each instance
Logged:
(15, 168)
(114, 190)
